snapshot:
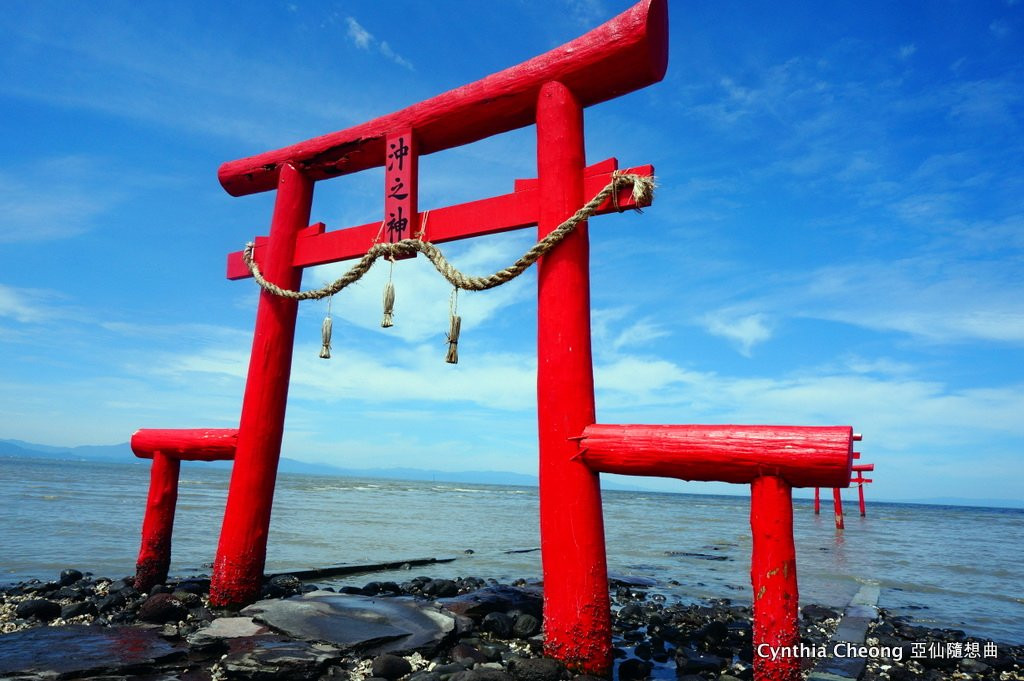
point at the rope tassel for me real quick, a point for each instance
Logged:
(453, 339)
(325, 332)
(389, 305)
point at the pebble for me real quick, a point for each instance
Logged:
(162, 608)
(391, 667)
(536, 669)
(40, 608)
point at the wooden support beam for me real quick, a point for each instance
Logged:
(196, 444)
(625, 54)
(814, 456)
(316, 246)
(158, 524)
(773, 577)
(837, 503)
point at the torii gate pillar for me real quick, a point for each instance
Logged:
(571, 524)
(242, 552)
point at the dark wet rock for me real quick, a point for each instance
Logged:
(187, 598)
(630, 613)
(69, 593)
(464, 651)
(391, 667)
(79, 650)
(112, 602)
(270, 660)
(497, 598)
(78, 610)
(483, 674)
(121, 584)
(818, 613)
(588, 677)
(634, 670)
(196, 585)
(282, 586)
(440, 588)
(536, 669)
(424, 675)
(692, 661)
(161, 608)
(374, 588)
(69, 577)
(376, 625)
(526, 625)
(497, 623)
(40, 608)
(643, 651)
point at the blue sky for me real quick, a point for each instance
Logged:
(837, 236)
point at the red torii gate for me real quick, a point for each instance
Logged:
(860, 469)
(625, 54)
(837, 499)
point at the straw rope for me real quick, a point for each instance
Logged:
(643, 191)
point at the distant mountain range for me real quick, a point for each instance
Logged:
(122, 453)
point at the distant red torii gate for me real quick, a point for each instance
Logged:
(625, 54)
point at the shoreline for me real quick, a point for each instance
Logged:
(489, 632)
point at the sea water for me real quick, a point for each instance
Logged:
(944, 566)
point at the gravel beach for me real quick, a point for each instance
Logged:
(422, 629)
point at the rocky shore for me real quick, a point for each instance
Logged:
(420, 629)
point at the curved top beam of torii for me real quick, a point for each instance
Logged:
(625, 54)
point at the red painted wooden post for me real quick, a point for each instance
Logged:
(773, 577)
(837, 503)
(242, 551)
(577, 618)
(158, 524)
(817, 500)
(860, 495)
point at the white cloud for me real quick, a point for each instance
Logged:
(24, 305)
(359, 36)
(365, 40)
(906, 51)
(744, 330)
(52, 198)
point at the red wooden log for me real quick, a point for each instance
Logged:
(494, 215)
(817, 456)
(625, 54)
(817, 500)
(576, 605)
(773, 577)
(860, 495)
(241, 553)
(837, 502)
(206, 444)
(158, 523)
(863, 467)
